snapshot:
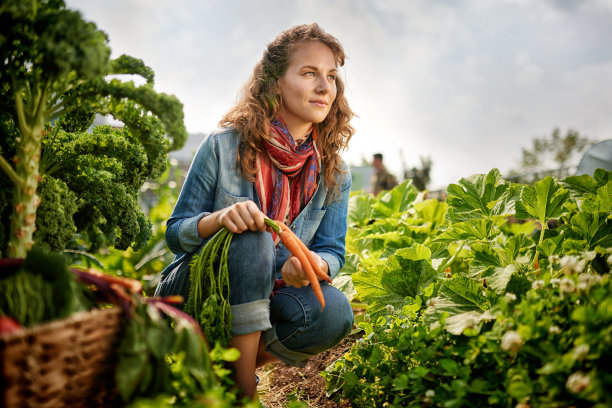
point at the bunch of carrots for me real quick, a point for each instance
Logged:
(208, 300)
(301, 252)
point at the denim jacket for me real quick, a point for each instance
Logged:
(214, 182)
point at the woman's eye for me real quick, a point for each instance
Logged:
(309, 73)
(331, 77)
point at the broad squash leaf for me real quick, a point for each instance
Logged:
(497, 278)
(599, 202)
(477, 229)
(594, 228)
(551, 246)
(397, 200)
(460, 323)
(477, 196)
(484, 257)
(360, 209)
(542, 201)
(457, 295)
(405, 274)
(432, 213)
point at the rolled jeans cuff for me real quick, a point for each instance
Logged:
(251, 317)
(273, 346)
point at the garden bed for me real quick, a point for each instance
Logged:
(280, 383)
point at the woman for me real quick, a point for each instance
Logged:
(276, 155)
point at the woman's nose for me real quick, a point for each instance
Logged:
(323, 86)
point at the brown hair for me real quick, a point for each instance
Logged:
(260, 103)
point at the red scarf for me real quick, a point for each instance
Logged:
(288, 173)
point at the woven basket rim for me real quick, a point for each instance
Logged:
(57, 324)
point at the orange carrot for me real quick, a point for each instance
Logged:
(130, 284)
(314, 263)
(292, 242)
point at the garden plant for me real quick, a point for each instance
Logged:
(499, 296)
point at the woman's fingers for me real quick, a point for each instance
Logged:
(293, 274)
(243, 216)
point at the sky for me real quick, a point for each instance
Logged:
(466, 84)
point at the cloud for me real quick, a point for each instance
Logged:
(467, 83)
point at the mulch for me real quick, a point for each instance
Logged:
(281, 383)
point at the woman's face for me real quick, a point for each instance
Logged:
(308, 88)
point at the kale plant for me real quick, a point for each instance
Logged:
(63, 181)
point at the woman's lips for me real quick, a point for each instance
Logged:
(319, 103)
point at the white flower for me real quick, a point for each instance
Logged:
(554, 282)
(567, 285)
(390, 309)
(429, 395)
(572, 264)
(581, 351)
(522, 405)
(586, 280)
(610, 259)
(539, 284)
(431, 302)
(577, 382)
(554, 330)
(510, 297)
(511, 341)
(553, 259)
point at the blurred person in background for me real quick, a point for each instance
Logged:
(382, 179)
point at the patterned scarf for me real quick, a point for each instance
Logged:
(288, 173)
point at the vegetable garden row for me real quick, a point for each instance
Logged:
(500, 296)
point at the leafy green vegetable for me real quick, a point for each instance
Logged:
(208, 300)
(505, 319)
(53, 80)
(41, 289)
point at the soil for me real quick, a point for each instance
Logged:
(281, 383)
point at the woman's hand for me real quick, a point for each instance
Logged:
(241, 217)
(293, 273)
(237, 218)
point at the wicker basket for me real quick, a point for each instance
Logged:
(66, 363)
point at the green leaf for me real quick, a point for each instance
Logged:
(600, 202)
(515, 246)
(360, 208)
(465, 322)
(581, 185)
(406, 273)
(498, 277)
(478, 196)
(395, 201)
(476, 229)
(432, 212)
(457, 295)
(594, 228)
(484, 257)
(551, 246)
(542, 201)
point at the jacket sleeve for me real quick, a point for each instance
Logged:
(195, 200)
(329, 240)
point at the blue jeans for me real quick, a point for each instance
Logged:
(292, 323)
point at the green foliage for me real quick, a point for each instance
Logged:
(208, 300)
(158, 357)
(40, 290)
(56, 76)
(481, 310)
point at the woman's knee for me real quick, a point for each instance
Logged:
(301, 324)
(250, 263)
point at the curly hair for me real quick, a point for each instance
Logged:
(260, 102)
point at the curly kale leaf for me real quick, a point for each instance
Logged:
(55, 227)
